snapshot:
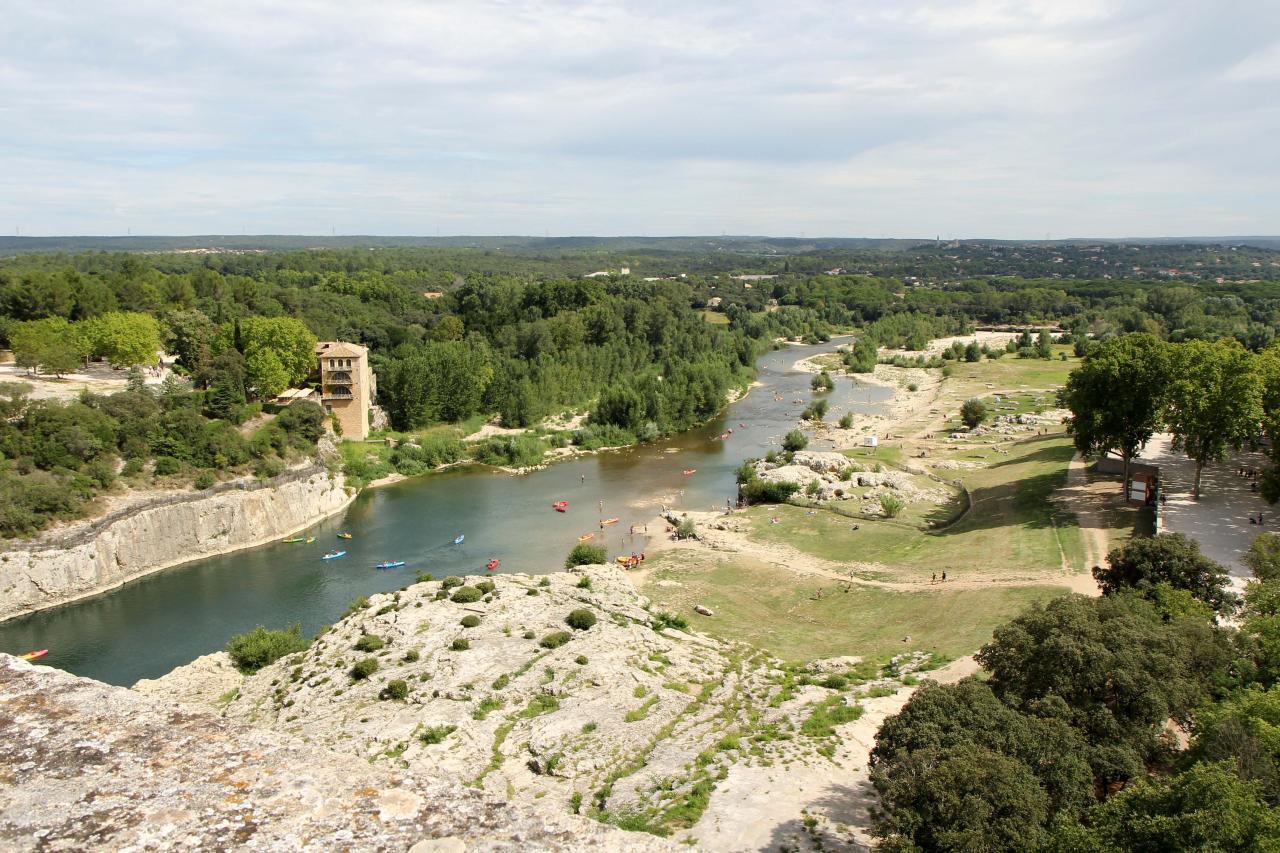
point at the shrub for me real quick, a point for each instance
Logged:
(584, 582)
(435, 734)
(973, 412)
(364, 668)
(260, 647)
(769, 492)
(846, 420)
(795, 441)
(544, 581)
(205, 480)
(485, 586)
(531, 592)
(555, 640)
(450, 582)
(686, 529)
(891, 506)
(466, 595)
(586, 554)
(580, 619)
(470, 620)
(501, 681)
(528, 635)
(396, 690)
(358, 604)
(411, 656)
(662, 620)
(913, 387)
(460, 645)
(166, 466)
(369, 643)
(580, 660)
(424, 577)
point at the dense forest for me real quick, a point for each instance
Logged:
(1144, 720)
(526, 329)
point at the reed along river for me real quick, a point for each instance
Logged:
(164, 620)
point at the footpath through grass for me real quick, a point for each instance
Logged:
(800, 619)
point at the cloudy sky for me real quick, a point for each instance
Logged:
(1023, 118)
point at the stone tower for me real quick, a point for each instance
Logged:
(347, 385)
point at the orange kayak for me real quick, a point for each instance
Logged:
(608, 521)
(38, 653)
(586, 537)
(491, 565)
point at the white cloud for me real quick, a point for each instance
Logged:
(995, 117)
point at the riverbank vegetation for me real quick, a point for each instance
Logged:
(56, 457)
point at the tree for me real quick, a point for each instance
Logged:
(1215, 400)
(1206, 808)
(973, 412)
(1044, 344)
(1171, 558)
(125, 338)
(51, 345)
(1263, 556)
(1117, 396)
(265, 373)
(944, 717)
(1111, 667)
(795, 441)
(288, 341)
(966, 798)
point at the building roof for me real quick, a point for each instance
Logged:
(340, 348)
(288, 395)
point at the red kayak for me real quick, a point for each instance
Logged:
(491, 565)
(560, 506)
(38, 653)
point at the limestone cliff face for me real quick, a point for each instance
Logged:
(112, 551)
(85, 766)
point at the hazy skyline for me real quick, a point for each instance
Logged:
(1020, 119)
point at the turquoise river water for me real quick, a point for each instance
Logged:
(169, 618)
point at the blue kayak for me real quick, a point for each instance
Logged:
(390, 564)
(333, 555)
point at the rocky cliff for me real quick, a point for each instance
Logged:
(88, 766)
(106, 553)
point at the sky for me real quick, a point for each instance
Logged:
(864, 118)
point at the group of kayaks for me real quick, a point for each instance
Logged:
(386, 564)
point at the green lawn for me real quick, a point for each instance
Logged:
(1013, 530)
(715, 318)
(799, 619)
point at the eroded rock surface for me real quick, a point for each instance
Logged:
(87, 766)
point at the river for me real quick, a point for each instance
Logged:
(149, 626)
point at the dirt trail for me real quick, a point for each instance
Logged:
(765, 807)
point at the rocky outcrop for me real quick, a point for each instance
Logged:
(107, 553)
(87, 766)
(624, 718)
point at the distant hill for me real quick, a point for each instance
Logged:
(735, 244)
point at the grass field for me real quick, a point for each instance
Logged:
(801, 619)
(1012, 530)
(715, 318)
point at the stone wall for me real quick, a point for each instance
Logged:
(120, 547)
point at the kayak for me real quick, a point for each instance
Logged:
(689, 472)
(608, 521)
(344, 535)
(458, 541)
(38, 653)
(560, 505)
(492, 564)
(586, 537)
(390, 564)
(560, 509)
(310, 539)
(333, 555)
(294, 539)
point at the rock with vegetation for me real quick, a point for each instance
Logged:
(133, 772)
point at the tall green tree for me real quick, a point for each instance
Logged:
(1214, 400)
(1117, 396)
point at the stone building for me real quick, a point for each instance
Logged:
(347, 385)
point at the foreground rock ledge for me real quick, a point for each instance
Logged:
(87, 766)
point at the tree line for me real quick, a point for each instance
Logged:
(1210, 396)
(1142, 720)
